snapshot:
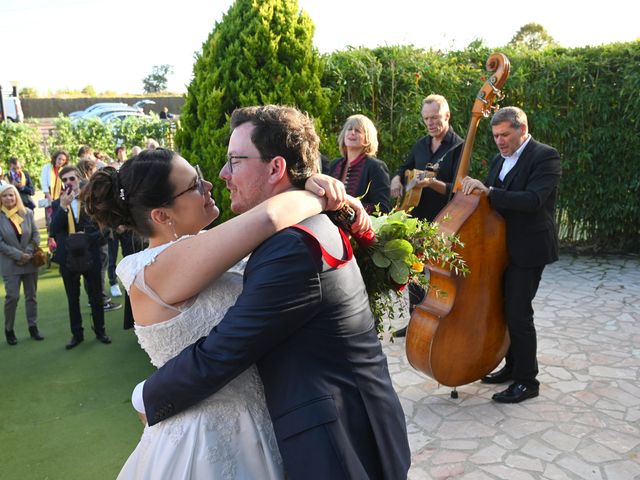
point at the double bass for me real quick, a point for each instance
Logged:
(458, 333)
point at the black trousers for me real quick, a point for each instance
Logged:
(93, 285)
(520, 288)
(113, 241)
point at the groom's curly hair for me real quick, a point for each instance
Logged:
(283, 131)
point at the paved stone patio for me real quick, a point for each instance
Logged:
(586, 422)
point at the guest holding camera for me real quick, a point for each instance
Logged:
(78, 254)
(19, 237)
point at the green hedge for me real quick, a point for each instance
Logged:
(70, 136)
(22, 141)
(584, 102)
(25, 142)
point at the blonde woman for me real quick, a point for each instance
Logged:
(18, 238)
(364, 175)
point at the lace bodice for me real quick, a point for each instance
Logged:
(165, 340)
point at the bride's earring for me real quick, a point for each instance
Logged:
(175, 235)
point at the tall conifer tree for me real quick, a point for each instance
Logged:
(260, 52)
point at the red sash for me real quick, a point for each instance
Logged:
(332, 261)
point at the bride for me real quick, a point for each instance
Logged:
(181, 287)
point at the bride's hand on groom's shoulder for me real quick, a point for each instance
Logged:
(330, 188)
(362, 223)
(335, 193)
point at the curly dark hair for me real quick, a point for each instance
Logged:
(55, 154)
(284, 131)
(125, 197)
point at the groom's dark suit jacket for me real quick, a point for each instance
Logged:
(310, 331)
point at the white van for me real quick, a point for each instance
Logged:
(11, 108)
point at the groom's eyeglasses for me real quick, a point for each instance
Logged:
(197, 185)
(232, 160)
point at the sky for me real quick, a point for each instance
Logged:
(113, 44)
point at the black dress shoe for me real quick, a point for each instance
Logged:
(501, 376)
(516, 393)
(35, 334)
(74, 342)
(11, 337)
(103, 338)
(401, 333)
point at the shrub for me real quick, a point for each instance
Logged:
(23, 141)
(259, 53)
(131, 131)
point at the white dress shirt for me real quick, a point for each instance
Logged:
(510, 161)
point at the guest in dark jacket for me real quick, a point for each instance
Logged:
(70, 218)
(522, 185)
(18, 239)
(22, 181)
(365, 176)
(440, 150)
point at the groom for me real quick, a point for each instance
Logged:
(306, 326)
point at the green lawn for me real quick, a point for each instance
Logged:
(67, 414)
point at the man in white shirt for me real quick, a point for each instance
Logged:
(522, 185)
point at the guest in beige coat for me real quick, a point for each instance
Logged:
(18, 237)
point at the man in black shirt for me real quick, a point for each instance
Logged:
(441, 147)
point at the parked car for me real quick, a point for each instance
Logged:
(99, 109)
(120, 115)
(95, 107)
(143, 103)
(11, 107)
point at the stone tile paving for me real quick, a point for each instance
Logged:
(586, 422)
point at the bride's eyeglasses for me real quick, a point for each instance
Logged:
(197, 185)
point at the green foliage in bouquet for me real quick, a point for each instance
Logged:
(397, 256)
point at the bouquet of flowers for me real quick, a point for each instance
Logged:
(394, 253)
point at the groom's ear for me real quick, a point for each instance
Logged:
(277, 169)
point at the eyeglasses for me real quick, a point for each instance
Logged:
(198, 185)
(68, 179)
(231, 158)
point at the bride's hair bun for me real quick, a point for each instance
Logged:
(103, 202)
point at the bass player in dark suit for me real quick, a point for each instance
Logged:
(522, 185)
(305, 324)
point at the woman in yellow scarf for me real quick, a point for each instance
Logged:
(49, 177)
(52, 186)
(18, 239)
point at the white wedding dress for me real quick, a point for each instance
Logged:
(227, 436)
